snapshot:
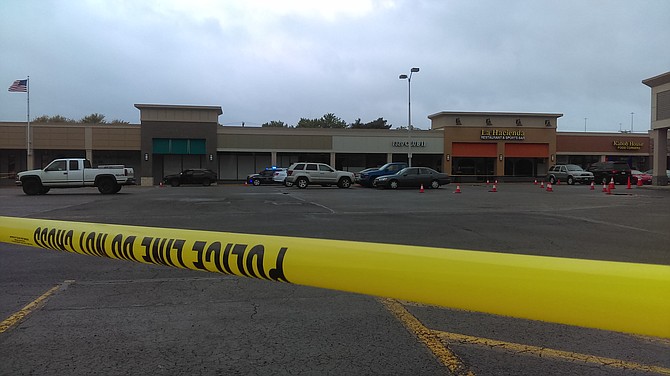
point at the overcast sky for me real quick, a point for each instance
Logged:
(284, 60)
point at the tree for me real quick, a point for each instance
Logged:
(375, 124)
(52, 119)
(95, 118)
(118, 121)
(328, 120)
(275, 124)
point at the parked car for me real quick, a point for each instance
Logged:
(280, 177)
(266, 176)
(357, 175)
(413, 177)
(641, 176)
(651, 172)
(603, 172)
(303, 174)
(367, 178)
(191, 176)
(570, 174)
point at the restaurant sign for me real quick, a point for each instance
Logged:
(502, 134)
(627, 145)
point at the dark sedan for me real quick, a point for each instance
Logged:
(413, 177)
(191, 176)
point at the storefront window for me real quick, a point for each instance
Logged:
(473, 166)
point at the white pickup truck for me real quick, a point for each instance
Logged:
(75, 173)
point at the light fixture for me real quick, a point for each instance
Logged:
(409, 111)
(488, 121)
(547, 123)
(146, 156)
(448, 157)
(552, 157)
(211, 157)
(518, 122)
(500, 157)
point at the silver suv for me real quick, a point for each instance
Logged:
(569, 173)
(303, 174)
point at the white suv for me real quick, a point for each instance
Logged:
(303, 174)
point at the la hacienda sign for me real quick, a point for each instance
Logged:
(504, 134)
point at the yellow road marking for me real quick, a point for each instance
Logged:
(543, 352)
(30, 307)
(428, 338)
(433, 340)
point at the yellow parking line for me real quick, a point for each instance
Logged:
(428, 338)
(25, 311)
(543, 352)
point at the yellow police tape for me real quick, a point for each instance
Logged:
(625, 297)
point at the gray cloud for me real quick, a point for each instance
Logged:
(261, 61)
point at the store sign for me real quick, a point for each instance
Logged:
(627, 145)
(502, 134)
(404, 144)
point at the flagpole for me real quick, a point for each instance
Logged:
(28, 138)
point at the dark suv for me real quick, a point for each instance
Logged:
(191, 176)
(603, 172)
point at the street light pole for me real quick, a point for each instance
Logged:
(409, 112)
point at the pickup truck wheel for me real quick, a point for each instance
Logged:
(118, 188)
(435, 184)
(393, 184)
(302, 183)
(571, 180)
(44, 190)
(344, 183)
(107, 186)
(31, 187)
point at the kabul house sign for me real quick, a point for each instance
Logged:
(504, 134)
(627, 145)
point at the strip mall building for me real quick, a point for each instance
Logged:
(470, 145)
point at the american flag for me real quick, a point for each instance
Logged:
(20, 86)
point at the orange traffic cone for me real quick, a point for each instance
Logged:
(542, 184)
(628, 185)
(458, 189)
(549, 188)
(639, 182)
(604, 187)
(493, 189)
(487, 182)
(611, 186)
(558, 181)
(593, 186)
(161, 184)
(535, 182)
(421, 190)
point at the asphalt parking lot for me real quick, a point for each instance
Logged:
(109, 317)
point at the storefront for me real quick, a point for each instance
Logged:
(471, 146)
(488, 145)
(586, 148)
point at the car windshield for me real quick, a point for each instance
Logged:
(636, 172)
(572, 167)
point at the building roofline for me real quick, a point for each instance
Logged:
(141, 106)
(659, 80)
(476, 113)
